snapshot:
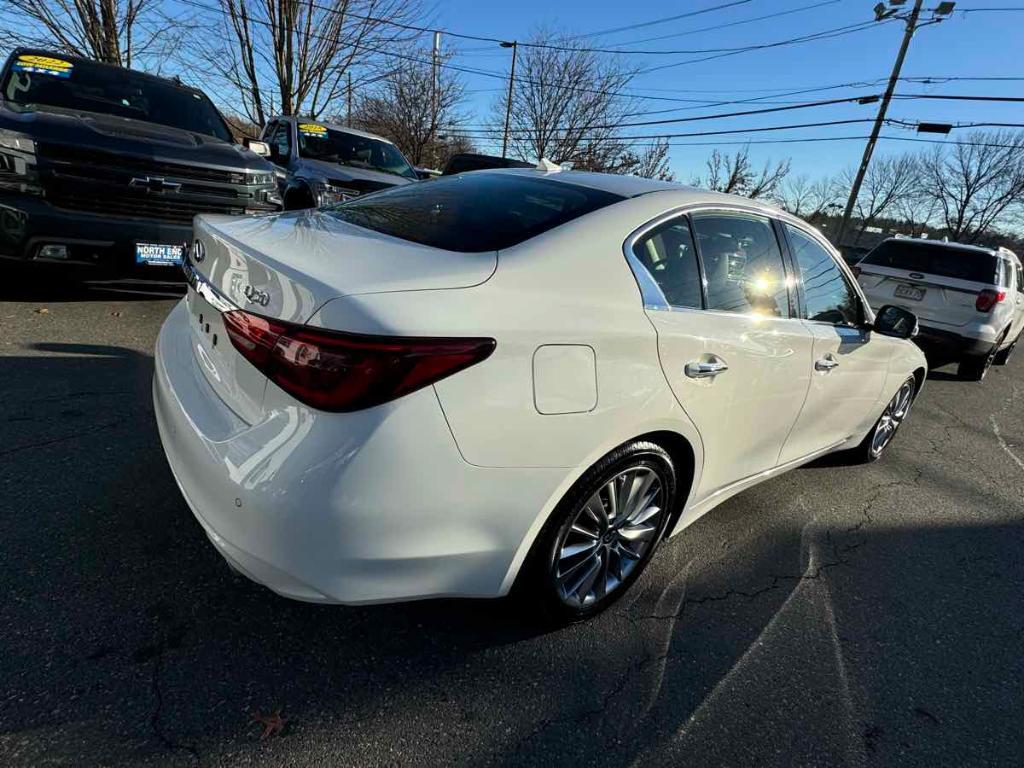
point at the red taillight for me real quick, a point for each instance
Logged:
(988, 299)
(336, 371)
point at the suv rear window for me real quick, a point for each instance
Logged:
(475, 212)
(930, 259)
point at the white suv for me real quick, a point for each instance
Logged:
(969, 300)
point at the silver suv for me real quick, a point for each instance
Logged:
(969, 300)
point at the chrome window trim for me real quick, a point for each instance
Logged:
(654, 298)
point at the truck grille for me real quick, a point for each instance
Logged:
(156, 207)
(105, 162)
(100, 182)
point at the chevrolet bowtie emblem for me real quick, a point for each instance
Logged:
(155, 184)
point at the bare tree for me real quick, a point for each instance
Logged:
(976, 183)
(111, 31)
(403, 107)
(809, 199)
(292, 56)
(887, 181)
(737, 175)
(567, 104)
(915, 211)
(652, 162)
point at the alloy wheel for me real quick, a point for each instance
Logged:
(609, 536)
(892, 417)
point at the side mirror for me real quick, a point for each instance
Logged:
(896, 321)
(261, 148)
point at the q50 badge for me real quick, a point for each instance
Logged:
(256, 296)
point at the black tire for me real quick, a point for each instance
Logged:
(975, 367)
(868, 451)
(1003, 357)
(298, 199)
(539, 584)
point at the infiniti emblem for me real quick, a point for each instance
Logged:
(198, 251)
(256, 296)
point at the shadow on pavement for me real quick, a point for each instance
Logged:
(72, 283)
(126, 638)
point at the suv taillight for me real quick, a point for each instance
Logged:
(335, 371)
(988, 299)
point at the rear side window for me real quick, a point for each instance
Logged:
(743, 264)
(474, 212)
(669, 256)
(931, 259)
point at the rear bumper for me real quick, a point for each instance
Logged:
(948, 342)
(372, 506)
(28, 222)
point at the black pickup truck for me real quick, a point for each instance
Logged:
(107, 166)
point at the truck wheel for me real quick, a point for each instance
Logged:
(1003, 357)
(975, 367)
(298, 200)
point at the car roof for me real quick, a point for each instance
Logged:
(634, 186)
(334, 127)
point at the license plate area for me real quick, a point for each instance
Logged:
(909, 292)
(238, 384)
(159, 254)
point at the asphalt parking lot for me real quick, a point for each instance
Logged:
(834, 616)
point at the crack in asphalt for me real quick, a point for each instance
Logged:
(62, 438)
(154, 718)
(839, 557)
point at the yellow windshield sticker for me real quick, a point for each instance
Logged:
(45, 65)
(313, 129)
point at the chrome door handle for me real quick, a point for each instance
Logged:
(704, 369)
(827, 363)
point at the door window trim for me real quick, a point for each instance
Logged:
(651, 293)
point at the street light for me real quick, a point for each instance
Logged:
(944, 9)
(514, 45)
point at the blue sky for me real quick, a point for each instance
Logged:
(975, 44)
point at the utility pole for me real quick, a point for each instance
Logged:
(436, 86)
(881, 13)
(514, 45)
(348, 122)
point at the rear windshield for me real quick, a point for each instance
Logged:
(474, 212)
(977, 266)
(83, 86)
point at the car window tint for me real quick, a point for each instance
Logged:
(279, 139)
(743, 264)
(669, 256)
(473, 212)
(828, 296)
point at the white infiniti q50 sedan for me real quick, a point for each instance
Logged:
(517, 378)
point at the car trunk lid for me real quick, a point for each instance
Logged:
(285, 267)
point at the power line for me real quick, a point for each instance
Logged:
(720, 115)
(760, 129)
(666, 19)
(731, 23)
(499, 75)
(949, 97)
(827, 34)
